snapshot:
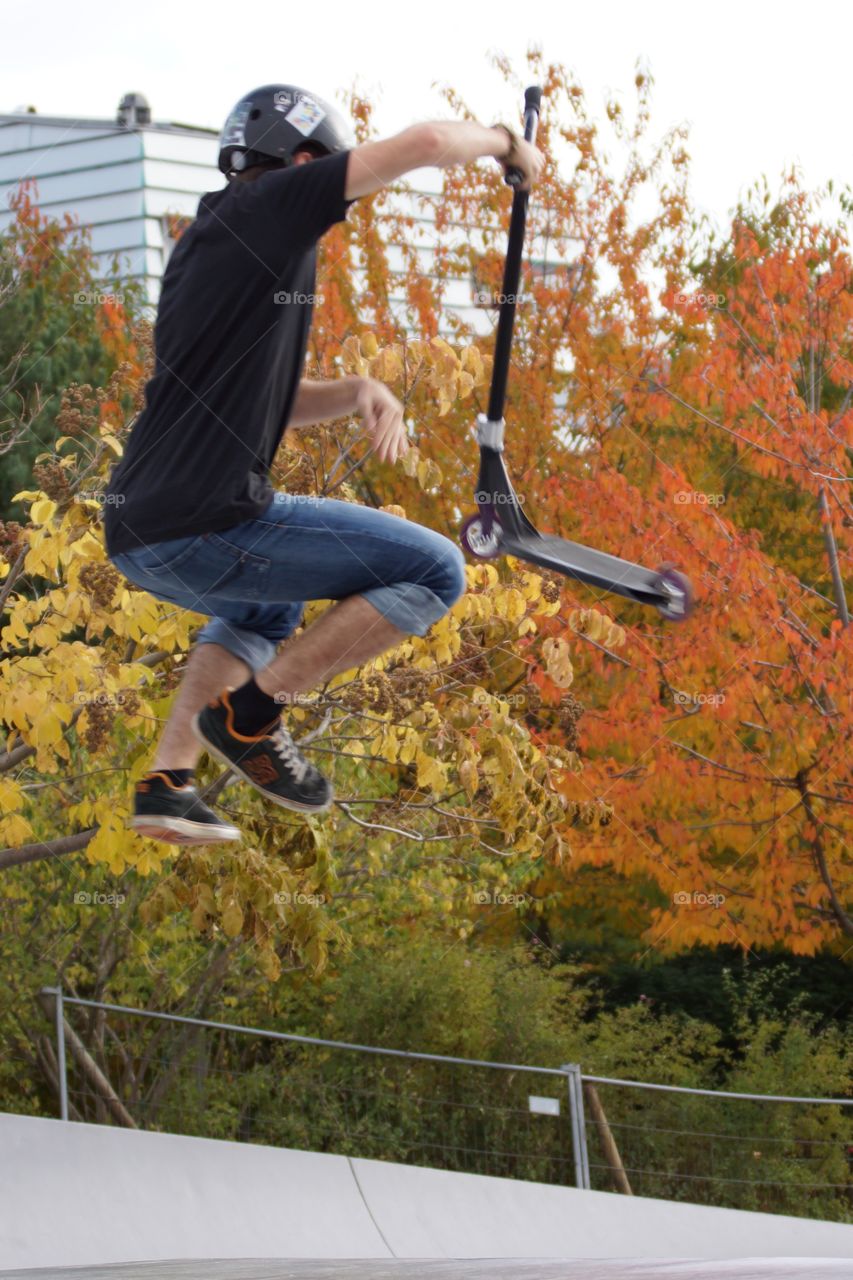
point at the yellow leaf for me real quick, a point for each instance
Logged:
(232, 918)
(351, 357)
(472, 363)
(47, 729)
(431, 773)
(387, 366)
(199, 917)
(42, 511)
(10, 796)
(411, 459)
(269, 964)
(615, 636)
(589, 622)
(531, 586)
(513, 605)
(558, 663)
(44, 635)
(429, 474)
(469, 777)
(14, 829)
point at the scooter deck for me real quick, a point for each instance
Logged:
(498, 505)
(596, 568)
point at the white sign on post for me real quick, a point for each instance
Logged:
(543, 1106)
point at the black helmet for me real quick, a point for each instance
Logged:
(272, 122)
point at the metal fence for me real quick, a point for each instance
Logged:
(118, 1065)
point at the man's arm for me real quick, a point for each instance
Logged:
(379, 409)
(318, 401)
(441, 143)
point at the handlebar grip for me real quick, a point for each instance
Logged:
(532, 102)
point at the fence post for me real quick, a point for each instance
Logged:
(576, 1111)
(608, 1143)
(59, 1013)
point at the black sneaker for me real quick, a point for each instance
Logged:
(269, 760)
(176, 815)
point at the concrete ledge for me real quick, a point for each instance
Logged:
(483, 1269)
(89, 1195)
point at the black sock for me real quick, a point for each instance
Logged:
(179, 777)
(253, 709)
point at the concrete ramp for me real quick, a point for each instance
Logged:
(483, 1269)
(430, 1213)
(80, 1195)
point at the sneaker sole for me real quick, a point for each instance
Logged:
(270, 795)
(181, 830)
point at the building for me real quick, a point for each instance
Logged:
(125, 179)
(128, 179)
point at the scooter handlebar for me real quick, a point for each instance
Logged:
(532, 103)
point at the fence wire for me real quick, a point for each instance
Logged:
(237, 1084)
(783, 1157)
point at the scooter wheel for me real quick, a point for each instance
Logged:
(677, 587)
(479, 543)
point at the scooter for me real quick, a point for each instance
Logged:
(500, 526)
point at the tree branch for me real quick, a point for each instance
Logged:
(819, 852)
(41, 849)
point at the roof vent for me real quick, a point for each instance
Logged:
(133, 110)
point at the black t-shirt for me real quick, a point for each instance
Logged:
(230, 339)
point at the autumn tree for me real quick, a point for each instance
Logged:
(710, 761)
(675, 399)
(420, 747)
(60, 321)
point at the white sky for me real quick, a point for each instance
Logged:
(761, 84)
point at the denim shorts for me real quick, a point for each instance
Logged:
(253, 580)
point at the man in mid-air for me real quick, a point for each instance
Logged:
(193, 518)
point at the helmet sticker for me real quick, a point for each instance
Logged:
(305, 116)
(234, 133)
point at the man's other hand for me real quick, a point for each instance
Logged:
(382, 415)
